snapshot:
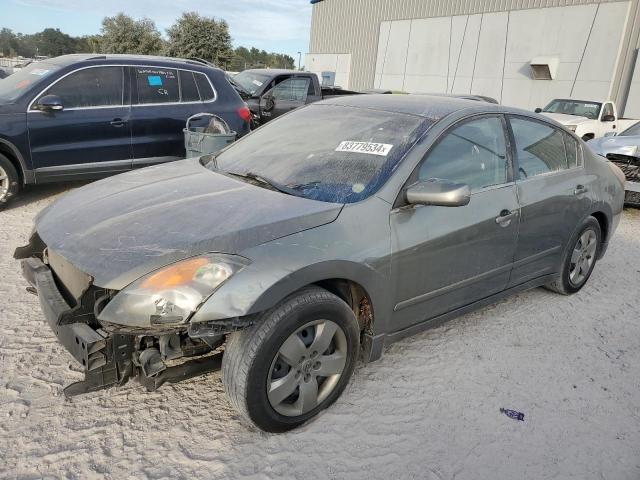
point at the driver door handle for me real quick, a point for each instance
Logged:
(580, 189)
(118, 122)
(505, 217)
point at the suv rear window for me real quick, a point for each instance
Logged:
(157, 85)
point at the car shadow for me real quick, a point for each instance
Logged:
(35, 193)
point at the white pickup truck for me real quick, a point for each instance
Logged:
(587, 118)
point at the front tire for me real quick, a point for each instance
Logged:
(579, 259)
(9, 181)
(294, 362)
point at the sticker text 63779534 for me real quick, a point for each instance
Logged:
(370, 148)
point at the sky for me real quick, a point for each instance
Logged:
(273, 25)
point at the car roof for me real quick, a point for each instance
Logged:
(431, 107)
(275, 71)
(72, 59)
(580, 100)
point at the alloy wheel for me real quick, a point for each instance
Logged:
(307, 368)
(582, 257)
(4, 183)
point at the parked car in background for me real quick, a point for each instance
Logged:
(349, 223)
(588, 119)
(623, 150)
(88, 116)
(271, 92)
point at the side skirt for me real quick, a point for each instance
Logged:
(374, 344)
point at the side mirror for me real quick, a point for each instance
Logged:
(438, 192)
(538, 110)
(50, 103)
(608, 118)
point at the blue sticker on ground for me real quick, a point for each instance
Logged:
(154, 80)
(513, 414)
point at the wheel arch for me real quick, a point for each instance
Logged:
(360, 286)
(10, 151)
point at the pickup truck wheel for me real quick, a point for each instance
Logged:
(579, 259)
(588, 136)
(9, 181)
(294, 362)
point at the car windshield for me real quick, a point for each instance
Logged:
(251, 82)
(574, 107)
(15, 85)
(634, 130)
(329, 153)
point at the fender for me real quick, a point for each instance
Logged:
(28, 175)
(250, 295)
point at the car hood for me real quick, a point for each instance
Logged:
(121, 228)
(605, 145)
(565, 119)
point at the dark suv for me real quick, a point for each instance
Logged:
(89, 116)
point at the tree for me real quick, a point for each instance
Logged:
(254, 58)
(51, 42)
(123, 34)
(201, 37)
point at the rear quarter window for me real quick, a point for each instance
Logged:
(204, 87)
(188, 87)
(157, 85)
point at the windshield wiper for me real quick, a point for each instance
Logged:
(303, 186)
(266, 181)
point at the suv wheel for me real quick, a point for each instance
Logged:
(9, 181)
(294, 362)
(580, 259)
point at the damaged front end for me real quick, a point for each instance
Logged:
(168, 349)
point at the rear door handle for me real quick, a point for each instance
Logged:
(118, 122)
(580, 189)
(505, 217)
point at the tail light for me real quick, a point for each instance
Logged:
(245, 113)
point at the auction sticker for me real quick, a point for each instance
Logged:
(370, 148)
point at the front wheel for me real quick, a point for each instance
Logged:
(579, 259)
(9, 181)
(294, 362)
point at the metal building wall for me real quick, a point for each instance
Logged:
(352, 26)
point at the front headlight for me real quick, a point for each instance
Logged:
(171, 294)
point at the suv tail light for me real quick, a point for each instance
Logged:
(245, 113)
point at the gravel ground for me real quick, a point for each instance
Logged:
(429, 409)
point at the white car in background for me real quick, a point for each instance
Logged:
(588, 119)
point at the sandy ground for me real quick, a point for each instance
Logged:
(429, 409)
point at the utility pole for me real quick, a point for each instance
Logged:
(299, 60)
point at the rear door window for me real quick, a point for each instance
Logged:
(157, 85)
(90, 87)
(204, 87)
(539, 148)
(188, 87)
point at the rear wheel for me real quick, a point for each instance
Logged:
(9, 181)
(579, 259)
(294, 362)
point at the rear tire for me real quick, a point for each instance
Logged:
(9, 181)
(579, 259)
(273, 371)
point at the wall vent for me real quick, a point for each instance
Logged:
(544, 68)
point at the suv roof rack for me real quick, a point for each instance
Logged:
(200, 61)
